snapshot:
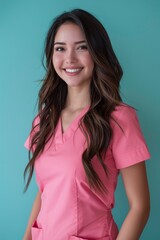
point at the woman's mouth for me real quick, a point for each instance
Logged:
(73, 70)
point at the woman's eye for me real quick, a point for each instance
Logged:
(83, 47)
(59, 49)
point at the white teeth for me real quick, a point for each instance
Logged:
(72, 70)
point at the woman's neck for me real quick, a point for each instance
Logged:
(77, 99)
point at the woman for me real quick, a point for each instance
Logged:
(82, 137)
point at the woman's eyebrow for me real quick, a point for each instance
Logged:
(63, 43)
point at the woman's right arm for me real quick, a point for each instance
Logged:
(33, 216)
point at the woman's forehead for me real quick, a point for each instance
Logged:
(69, 32)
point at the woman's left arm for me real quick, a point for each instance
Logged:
(136, 186)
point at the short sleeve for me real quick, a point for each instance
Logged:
(128, 144)
(27, 143)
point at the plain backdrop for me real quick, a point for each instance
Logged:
(134, 29)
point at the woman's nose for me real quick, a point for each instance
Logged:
(71, 56)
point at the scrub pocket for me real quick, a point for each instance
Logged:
(36, 232)
(79, 238)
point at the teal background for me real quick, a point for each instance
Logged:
(134, 29)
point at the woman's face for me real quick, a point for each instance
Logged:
(71, 58)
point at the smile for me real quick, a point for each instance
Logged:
(73, 70)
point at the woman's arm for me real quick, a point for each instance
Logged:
(136, 186)
(33, 216)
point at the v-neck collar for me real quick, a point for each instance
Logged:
(71, 128)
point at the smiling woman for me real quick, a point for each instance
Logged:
(71, 58)
(82, 137)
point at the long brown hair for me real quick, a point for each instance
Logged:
(104, 94)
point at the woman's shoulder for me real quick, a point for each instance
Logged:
(124, 115)
(123, 111)
(36, 121)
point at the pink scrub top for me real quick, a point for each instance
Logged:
(70, 209)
